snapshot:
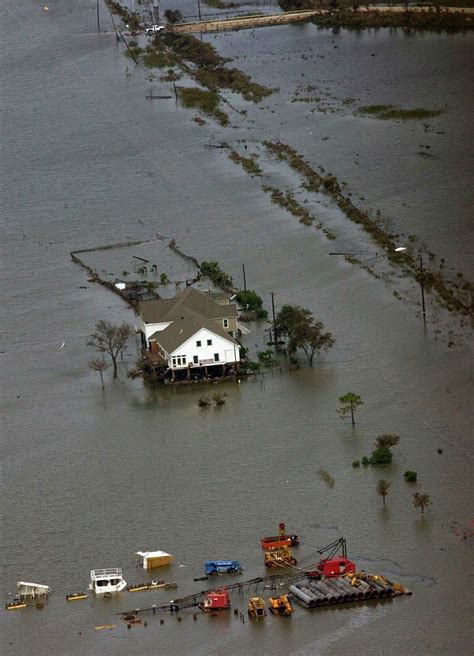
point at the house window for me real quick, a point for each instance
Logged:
(209, 342)
(174, 362)
(198, 343)
(216, 357)
(179, 360)
(225, 323)
(184, 359)
(195, 359)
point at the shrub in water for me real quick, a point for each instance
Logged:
(381, 456)
(410, 476)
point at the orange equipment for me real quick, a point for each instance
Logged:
(280, 605)
(280, 557)
(280, 540)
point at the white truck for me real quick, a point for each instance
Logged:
(154, 29)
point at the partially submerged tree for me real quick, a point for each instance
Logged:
(302, 331)
(173, 16)
(100, 365)
(291, 316)
(111, 340)
(250, 301)
(349, 404)
(311, 339)
(387, 440)
(421, 500)
(267, 358)
(381, 456)
(382, 489)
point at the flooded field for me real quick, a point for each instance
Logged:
(89, 478)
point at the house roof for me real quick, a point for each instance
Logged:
(183, 329)
(188, 301)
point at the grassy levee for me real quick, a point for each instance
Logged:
(207, 102)
(329, 185)
(248, 163)
(390, 112)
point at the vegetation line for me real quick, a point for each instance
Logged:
(329, 185)
(389, 112)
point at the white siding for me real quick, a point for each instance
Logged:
(206, 352)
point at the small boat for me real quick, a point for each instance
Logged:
(280, 605)
(16, 604)
(256, 608)
(76, 596)
(106, 581)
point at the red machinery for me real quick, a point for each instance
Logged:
(215, 600)
(280, 540)
(333, 565)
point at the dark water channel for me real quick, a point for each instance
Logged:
(90, 477)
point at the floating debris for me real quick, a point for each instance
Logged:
(25, 590)
(102, 627)
(76, 596)
(153, 559)
(153, 585)
(16, 605)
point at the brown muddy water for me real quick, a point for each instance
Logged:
(90, 477)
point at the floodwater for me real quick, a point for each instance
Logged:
(90, 477)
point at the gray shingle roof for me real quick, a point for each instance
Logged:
(190, 300)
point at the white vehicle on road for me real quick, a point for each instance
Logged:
(154, 29)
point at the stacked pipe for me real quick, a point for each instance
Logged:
(320, 592)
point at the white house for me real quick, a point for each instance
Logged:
(190, 331)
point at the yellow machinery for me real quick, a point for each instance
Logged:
(256, 608)
(280, 557)
(280, 605)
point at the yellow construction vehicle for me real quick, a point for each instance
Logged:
(280, 557)
(256, 608)
(280, 605)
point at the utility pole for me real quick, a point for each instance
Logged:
(422, 275)
(245, 280)
(98, 17)
(275, 336)
(199, 10)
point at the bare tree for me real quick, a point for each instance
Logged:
(382, 489)
(110, 339)
(421, 500)
(387, 440)
(100, 365)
